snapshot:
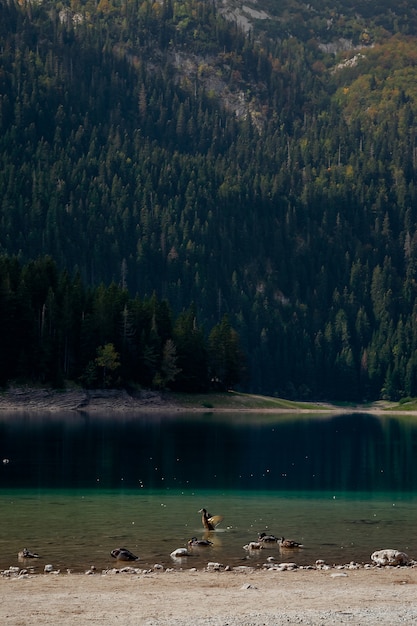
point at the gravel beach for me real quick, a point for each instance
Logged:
(189, 598)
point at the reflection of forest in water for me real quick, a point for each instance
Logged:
(349, 452)
(76, 487)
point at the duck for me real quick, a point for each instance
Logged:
(289, 543)
(199, 543)
(123, 554)
(264, 538)
(253, 545)
(27, 554)
(179, 553)
(210, 521)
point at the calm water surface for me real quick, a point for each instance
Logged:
(75, 487)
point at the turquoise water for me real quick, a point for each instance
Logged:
(75, 529)
(74, 488)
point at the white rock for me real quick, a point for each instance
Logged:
(129, 570)
(287, 566)
(243, 569)
(8, 573)
(389, 557)
(213, 566)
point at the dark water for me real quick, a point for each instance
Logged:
(75, 487)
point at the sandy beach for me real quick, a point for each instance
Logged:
(186, 598)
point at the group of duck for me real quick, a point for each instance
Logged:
(210, 522)
(267, 540)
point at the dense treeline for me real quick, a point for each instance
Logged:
(295, 216)
(53, 329)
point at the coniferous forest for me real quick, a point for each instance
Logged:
(186, 202)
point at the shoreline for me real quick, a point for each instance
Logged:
(186, 598)
(366, 594)
(117, 401)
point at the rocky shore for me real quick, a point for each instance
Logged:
(30, 399)
(25, 398)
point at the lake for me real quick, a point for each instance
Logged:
(74, 486)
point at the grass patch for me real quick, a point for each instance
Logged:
(405, 404)
(234, 400)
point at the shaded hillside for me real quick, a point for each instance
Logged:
(160, 146)
(333, 23)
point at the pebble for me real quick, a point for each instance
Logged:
(214, 567)
(130, 570)
(248, 586)
(244, 569)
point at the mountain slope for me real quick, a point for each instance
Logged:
(271, 178)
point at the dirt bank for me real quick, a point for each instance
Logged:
(123, 401)
(29, 399)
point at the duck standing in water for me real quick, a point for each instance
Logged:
(210, 521)
(123, 554)
(289, 544)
